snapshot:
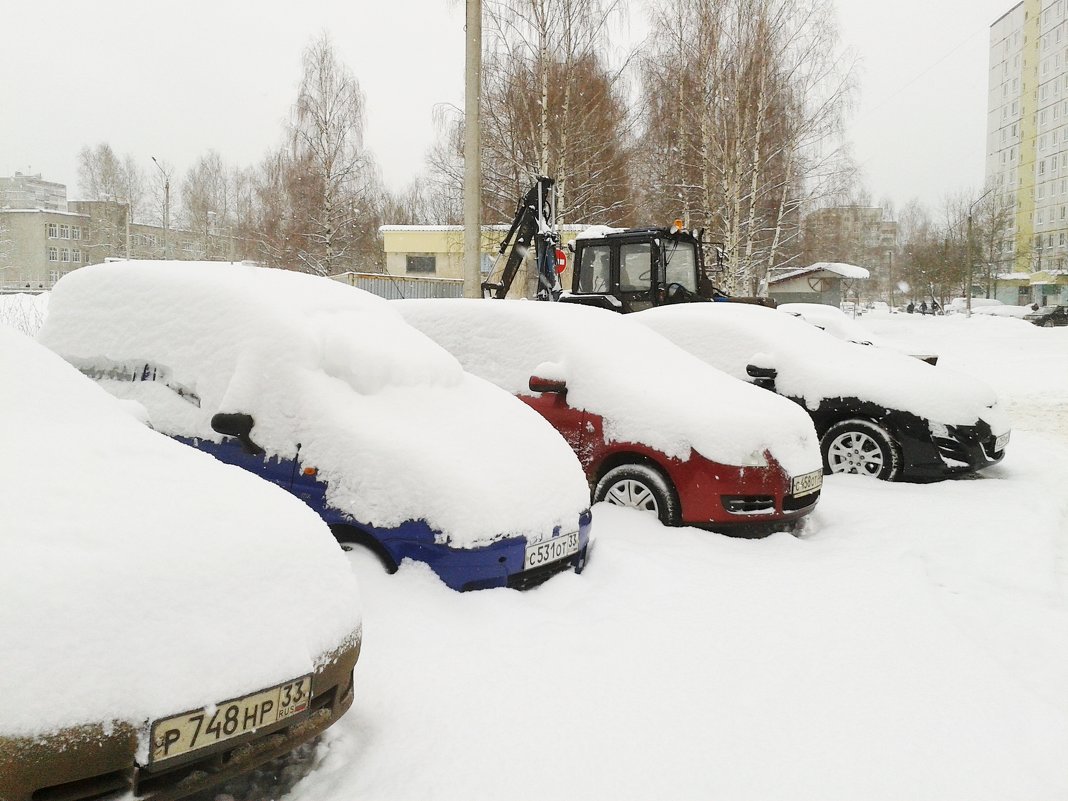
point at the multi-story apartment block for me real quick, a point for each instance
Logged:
(41, 243)
(31, 192)
(858, 235)
(1027, 139)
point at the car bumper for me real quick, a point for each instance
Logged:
(743, 501)
(955, 451)
(94, 761)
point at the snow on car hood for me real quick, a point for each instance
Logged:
(139, 577)
(646, 389)
(814, 365)
(383, 413)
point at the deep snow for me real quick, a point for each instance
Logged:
(910, 644)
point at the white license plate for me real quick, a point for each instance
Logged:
(808, 483)
(1002, 441)
(551, 550)
(181, 734)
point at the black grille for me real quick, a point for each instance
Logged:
(749, 504)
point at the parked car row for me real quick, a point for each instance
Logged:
(472, 436)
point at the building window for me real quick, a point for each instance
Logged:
(64, 232)
(53, 276)
(75, 232)
(64, 255)
(420, 264)
(53, 231)
(76, 256)
(53, 254)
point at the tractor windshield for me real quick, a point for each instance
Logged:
(680, 264)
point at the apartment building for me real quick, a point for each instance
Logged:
(41, 243)
(1027, 141)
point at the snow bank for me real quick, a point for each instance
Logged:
(380, 410)
(23, 312)
(646, 389)
(139, 577)
(813, 365)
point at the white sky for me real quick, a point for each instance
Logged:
(176, 80)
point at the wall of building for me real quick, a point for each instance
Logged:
(39, 247)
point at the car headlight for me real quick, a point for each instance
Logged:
(939, 430)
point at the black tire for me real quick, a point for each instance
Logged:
(638, 486)
(861, 447)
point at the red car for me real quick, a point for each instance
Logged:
(654, 428)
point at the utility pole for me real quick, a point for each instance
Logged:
(472, 155)
(970, 266)
(166, 208)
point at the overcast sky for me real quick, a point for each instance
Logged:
(175, 80)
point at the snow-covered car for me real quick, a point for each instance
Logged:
(654, 428)
(1049, 316)
(324, 390)
(168, 621)
(878, 412)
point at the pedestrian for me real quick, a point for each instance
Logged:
(911, 307)
(935, 308)
(923, 307)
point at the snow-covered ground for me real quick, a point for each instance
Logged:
(910, 644)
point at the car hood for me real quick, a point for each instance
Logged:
(139, 577)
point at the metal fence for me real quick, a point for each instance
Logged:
(393, 287)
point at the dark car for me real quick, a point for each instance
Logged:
(1049, 316)
(878, 412)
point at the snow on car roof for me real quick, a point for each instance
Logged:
(381, 411)
(814, 365)
(647, 390)
(831, 319)
(139, 577)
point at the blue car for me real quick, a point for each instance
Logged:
(324, 390)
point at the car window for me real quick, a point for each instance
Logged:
(635, 266)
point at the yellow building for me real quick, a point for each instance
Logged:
(437, 251)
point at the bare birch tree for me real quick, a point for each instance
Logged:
(741, 98)
(326, 138)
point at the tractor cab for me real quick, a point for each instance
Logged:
(627, 270)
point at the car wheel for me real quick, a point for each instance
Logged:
(637, 486)
(863, 447)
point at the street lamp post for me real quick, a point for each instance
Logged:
(890, 277)
(968, 256)
(166, 208)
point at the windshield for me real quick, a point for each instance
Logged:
(680, 264)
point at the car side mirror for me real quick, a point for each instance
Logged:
(539, 384)
(237, 424)
(763, 377)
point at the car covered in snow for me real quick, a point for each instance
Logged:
(1049, 316)
(324, 390)
(168, 621)
(654, 428)
(878, 412)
